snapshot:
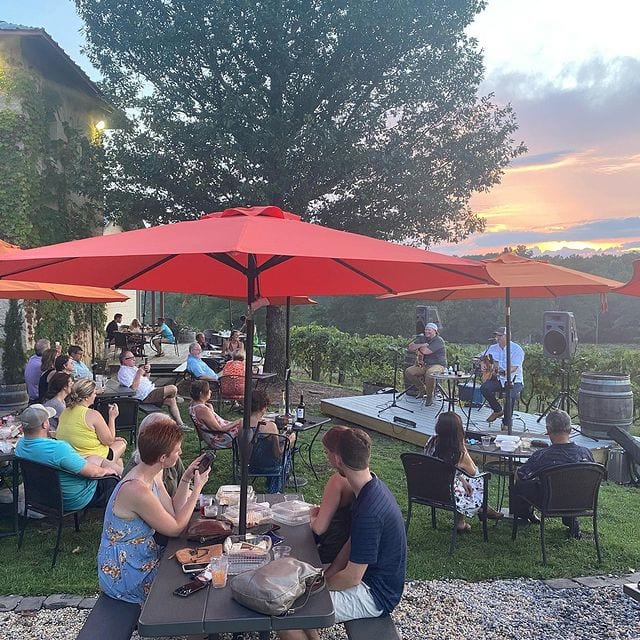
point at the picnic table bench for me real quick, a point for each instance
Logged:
(110, 619)
(382, 628)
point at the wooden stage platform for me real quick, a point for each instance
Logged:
(370, 412)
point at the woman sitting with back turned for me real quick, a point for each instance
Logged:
(85, 429)
(139, 506)
(267, 454)
(331, 521)
(215, 431)
(231, 378)
(448, 445)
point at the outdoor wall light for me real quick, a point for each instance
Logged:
(100, 125)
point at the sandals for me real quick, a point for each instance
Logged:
(465, 528)
(492, 514)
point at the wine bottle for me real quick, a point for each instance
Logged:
(456, 366)
(300, 410)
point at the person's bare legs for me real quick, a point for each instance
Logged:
(299, 634)
(170, 393)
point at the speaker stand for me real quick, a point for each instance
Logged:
(564, 399)
(394, 404)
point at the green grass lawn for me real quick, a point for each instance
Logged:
(28, 572)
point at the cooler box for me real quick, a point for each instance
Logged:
(468, 394)
(618, 466)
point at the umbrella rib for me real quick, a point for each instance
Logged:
(7, 276)
(160, 262)
(273, 261)
(229, 261)
(363, 275)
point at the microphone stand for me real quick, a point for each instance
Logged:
(394, 404)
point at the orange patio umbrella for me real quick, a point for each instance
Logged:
(519, 277)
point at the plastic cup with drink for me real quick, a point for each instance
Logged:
(219, 569)
(486, 441)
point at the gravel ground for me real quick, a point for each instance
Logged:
(446, 610)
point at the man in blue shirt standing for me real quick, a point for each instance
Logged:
(366, 579)
(196, 367)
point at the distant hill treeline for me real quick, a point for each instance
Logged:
(466, 321)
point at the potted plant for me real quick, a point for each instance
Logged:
(13, 393)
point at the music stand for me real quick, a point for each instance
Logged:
(394, 404)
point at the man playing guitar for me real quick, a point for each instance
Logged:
(494, 372)
(431, 357)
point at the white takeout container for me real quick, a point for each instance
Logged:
(229, 494)
(257, 513)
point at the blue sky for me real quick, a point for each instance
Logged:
(571, 70)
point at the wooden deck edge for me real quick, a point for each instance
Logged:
(397, 431)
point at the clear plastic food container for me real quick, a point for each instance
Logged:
(257, 513)
(292, 513)
(229, 494)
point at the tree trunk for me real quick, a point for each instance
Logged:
(274, 357)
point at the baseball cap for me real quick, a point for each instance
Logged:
(35, 414)
(431, 325)
(500, 331)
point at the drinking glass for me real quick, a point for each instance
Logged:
(486, 441)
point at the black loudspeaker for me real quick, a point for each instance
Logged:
(559, 335)
(426, 314)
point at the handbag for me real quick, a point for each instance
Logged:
(206, 530)
(273, 588)
(198, 554)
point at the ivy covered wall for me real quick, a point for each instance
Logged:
(51, 178)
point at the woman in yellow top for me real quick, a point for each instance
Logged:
(85, 429)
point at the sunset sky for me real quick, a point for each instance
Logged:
(571, 70)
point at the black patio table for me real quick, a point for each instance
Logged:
(312, 422)
(505, 466)
(213, 611)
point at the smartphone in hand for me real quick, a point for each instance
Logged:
(205, 463)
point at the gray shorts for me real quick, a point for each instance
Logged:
(353, 603)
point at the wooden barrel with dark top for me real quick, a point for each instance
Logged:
(605, 400)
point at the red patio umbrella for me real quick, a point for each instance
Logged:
(19, 290)
(518, 277)
(631, 288)
(253, 252)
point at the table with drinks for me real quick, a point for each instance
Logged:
(507, 449)
(211, 609)
(450, 391)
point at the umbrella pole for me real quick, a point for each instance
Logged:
(508, 408)
(245, 436)
(230, 317)
(287, 355)
(93, 342)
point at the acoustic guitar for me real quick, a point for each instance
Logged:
(489, 368)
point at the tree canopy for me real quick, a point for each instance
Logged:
(360, 114)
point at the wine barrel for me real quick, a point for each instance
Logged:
(605, 400)
(13, 397)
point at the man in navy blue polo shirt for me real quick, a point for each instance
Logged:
(366, 579)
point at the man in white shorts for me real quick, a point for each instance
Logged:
(366, 579)
(137, 378)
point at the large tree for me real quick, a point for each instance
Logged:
(360, 114)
